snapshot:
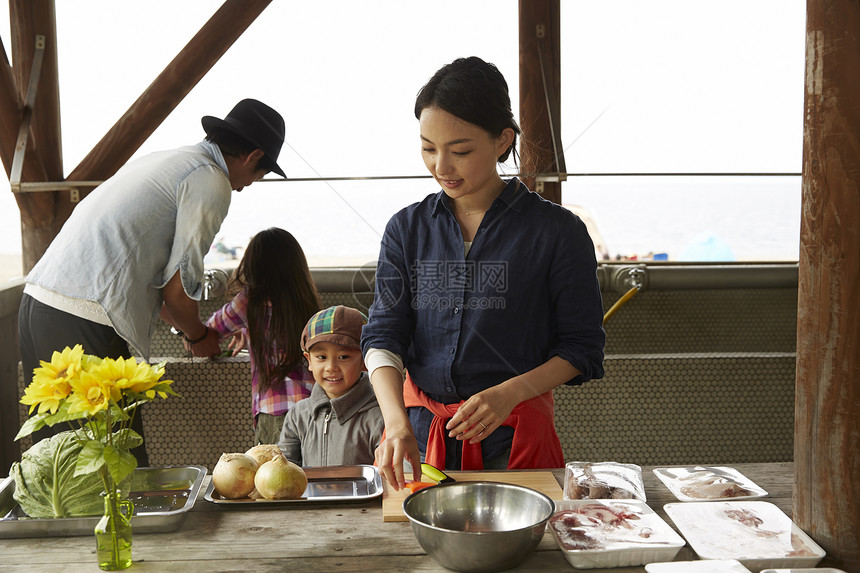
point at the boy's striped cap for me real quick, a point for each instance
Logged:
(338, 324)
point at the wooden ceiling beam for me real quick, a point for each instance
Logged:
(168, 89)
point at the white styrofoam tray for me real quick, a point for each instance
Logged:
(701, 566)
(614, 533)
(703, 483)
(805, 570)
(756, 533)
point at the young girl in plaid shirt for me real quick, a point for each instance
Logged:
(275, 297)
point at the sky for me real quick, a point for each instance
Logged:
(657, 86)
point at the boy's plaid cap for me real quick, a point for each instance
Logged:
(338, 324)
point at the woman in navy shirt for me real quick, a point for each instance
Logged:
(486, 297)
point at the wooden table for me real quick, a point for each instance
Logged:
(332, 538)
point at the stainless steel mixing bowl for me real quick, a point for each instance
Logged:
(478, 527)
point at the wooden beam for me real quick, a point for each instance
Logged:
(168, 89)
(27, 115)
(38, 18)
(826, 500)
(539, 34)
(43, 161)
(10, 111)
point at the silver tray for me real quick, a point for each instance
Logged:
(161, 497)
(325, 484)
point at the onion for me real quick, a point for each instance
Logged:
(233, 476)
(265, 452)
(280, 479)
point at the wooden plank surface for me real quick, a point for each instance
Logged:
(392, 501)
(347, 537)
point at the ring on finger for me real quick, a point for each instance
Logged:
(483, 426)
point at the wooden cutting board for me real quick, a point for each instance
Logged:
(392, 501)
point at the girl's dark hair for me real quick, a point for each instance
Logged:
(275, 272)
(475, 91)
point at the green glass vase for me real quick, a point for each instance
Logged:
(113, 533)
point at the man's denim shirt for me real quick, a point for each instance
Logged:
(126, 239)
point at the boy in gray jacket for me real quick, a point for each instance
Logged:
(340, 423)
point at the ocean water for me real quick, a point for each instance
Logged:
(683, 218)
(689, 218)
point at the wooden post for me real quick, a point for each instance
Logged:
(826, 500)
(44, 158)
(539, 46)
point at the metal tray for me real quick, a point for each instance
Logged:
(325, 484)
(161, 497)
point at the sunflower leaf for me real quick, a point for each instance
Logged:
(90, 459)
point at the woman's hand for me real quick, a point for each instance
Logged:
(480, 415)
(399, 445)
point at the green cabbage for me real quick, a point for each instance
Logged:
(45, 481)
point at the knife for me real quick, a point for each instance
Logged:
(436, 474)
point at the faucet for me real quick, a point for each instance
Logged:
(214, 283)
(635, 278)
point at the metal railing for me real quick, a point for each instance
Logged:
(617, 277)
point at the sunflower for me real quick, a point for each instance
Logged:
(46, 395)
(51, 381)
(90, 394)
(63, 366)
(162, 388)
(127, 374)
(100, 395)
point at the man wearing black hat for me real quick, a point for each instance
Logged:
(133, 249)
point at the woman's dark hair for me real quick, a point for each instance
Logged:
(233, 145)
(475, 91)
(275, 273)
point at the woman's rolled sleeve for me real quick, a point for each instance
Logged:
(578, 306)
(390, 319)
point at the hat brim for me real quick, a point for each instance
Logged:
(211, 123)
(337, 338)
